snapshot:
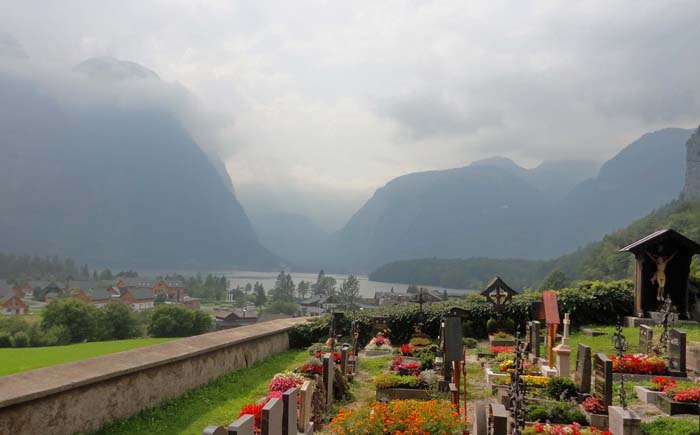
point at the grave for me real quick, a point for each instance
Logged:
(602, 378)
(244, 425)
(305, 424)
(533, 339)
(563, 351)
(676, 353)
(481, 419)
(499, 420)
(328, 377)
(549, 313)
(452, 347)
(624, 421)
(289, 412)
(582, 375)
(662, 267)
(693, 358)
(215, 430)
(646, 338)
(271, 423)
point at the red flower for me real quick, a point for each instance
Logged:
(639, 364)
(254, 409)
(594, 405)
(663, 383)
(502, 349)
(406, 349)
(690, 395)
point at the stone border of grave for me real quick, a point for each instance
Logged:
(671, 407)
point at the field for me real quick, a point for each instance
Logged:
(218, 402)
(29, 358)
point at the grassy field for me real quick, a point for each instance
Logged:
(218, 402)
(29, 358)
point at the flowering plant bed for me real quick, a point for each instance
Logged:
(393, 380)
(313, 366)
(403, 367)
(407, 349)
(530, 381)
(558, 429)
(255, 409)
(639, 364)
(337, 356)
(500, 349)
(501, 340)
(398, 418)
(286, 380)
(594, 405)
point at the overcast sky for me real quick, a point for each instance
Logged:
(318, 103)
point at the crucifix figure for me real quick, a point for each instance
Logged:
(659, 277)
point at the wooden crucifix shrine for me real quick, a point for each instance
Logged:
(549, 313)
(499, 294)
(662, 268)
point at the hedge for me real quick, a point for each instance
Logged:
(590, 302)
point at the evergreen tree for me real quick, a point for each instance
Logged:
(260, 297)
(349, 293)
(303, 289)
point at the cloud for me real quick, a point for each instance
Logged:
(330, 100)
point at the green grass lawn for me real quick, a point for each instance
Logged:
(29, 358)
(218, 402)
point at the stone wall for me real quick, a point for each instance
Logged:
(691, 190)
(83, 396)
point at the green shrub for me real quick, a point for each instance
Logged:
(20, 339)
(504, 356)
(79, 317)
(556, 412)
(317, 347)
(13, 324)
(5, 340)
(178, 321)
(670, 426)
(561, 388)
(508, 325)
(470, 343)
(491, 326)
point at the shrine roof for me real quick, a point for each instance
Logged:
(662, 236)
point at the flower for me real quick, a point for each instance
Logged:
(594, 405)
(639, 364)
(254, 409)
(559, 429)
(663, 383)
(685, 395)
(282, 383)
(406, 349)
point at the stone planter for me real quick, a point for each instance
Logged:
(671, 407)
(598, 421)
(647, 395)
(494, 341)
(491, 375)
(402, 394)
(378, 352)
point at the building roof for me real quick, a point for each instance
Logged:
(99, 294)
(312, 300)
(141, 294)
(236, 314)
(660, 237)
(137, 281)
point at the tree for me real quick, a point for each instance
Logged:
(303, 289)
(79, 317)
(282, 307)
(325, 285)
(260, 297)
(248, 288)
(106, 275)
(284, 288)
(556, 280)
(120, 321)
(349, 293)
(178, 321)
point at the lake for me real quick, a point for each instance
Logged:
(367, 287)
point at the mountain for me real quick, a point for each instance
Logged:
(120, 184)
(643, 176)
(291, 236)
(471, 211)
(497, 209)
(556, 177)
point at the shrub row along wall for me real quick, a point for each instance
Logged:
(83, 396)
(590, 302)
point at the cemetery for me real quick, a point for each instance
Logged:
(618, 358)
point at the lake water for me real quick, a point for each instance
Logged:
(367, 287)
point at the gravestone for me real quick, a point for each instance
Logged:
(306, 394)
(499, 420)
(328, 376)
(583, 368)
(602, 378)
(534, 335)
(624, 421)
(244, 425)
(454, 349)
(646, 338)
(693, 358)
(677, 353)
(216, 430)
(344, 360)
(481, 420)
(272, 418)
(289, 412)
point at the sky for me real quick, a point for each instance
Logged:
(313, 105)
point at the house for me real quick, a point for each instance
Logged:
(13, 305)
(173, 289)
(98, 297)
(134, 282)
(235, 318)
(46, 290)
(138, 298)
(313, 301)
(23, 290)
(384, 299)
(192, 303)
(312, 311)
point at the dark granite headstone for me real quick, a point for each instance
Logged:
(272, 418)
(453, 339)
(328, 377)
(344, 352)
(677, 353)
(602, 378)
(289, 412)
(244, 425)
(646, 338)
(583, 368)
(481, 420)
(534, 330)
(499, 420)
